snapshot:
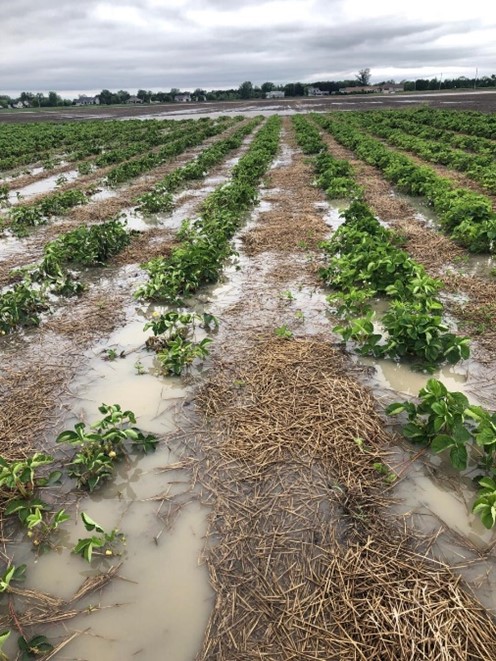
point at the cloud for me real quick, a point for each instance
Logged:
(159, 44)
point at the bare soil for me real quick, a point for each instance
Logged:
(484, 101)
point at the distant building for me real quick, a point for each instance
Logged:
(276, 94)
(134, 99)
(388, 88)
(316, 91)
(391, 88)
(184, 97)
(87, 100)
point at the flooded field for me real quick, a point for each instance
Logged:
(280, 490)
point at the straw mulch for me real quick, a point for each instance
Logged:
(303, 562)
(36, 608)
(294, 224)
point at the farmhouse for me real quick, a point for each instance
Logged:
(87, 100)
(134, 99)
(388, 88)
(184, 97)
(275, 94)
(315, 91)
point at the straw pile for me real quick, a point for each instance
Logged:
(303, 561)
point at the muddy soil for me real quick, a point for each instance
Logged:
(484, 101)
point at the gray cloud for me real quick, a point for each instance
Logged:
(63, 45)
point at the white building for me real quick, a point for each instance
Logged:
(87, 100)
(276, 94)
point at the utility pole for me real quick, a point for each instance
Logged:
(476, 76)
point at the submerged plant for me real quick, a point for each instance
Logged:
(173, 339)
(104, 443)
(106, 544)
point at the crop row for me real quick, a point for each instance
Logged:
(160, 197)
(480, 168)
(24, 216)
(365, 260)
(416, 123)
(24, 144)
(205, 243)
(466, 216)
(467, 121)
(86, 246)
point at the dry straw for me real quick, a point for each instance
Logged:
(302, 558)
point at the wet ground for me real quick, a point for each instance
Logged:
(161, 605)
(483, 100)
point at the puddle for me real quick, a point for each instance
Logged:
(42, 186)
(11, 245)
(332, 212)
(104, 193)
(439, 499)
(161, 608)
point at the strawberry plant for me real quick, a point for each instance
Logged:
(102, 444)
(446, 421)
(106, 544)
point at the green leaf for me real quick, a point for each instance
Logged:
(89, 524)
(395, 408)
(487, 483)
(442, 442)
(67, 437)
(458, 457)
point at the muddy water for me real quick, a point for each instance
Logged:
(42, 186)
(161, 607)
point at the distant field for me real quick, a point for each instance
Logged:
(484, 101)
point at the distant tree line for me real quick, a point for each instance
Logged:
(249, 91)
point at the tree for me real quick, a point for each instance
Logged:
(106, 97)
(363, 77)
(144, 96)
(246, 90)
(54, 99)
(122, 95)
(268, 87)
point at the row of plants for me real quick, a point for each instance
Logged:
(22, 144)
(180, 140)
(466, 216)
(93, 245)
(24, 216)
(470, 122)
(23, 303)
(419, 122)
(446, 422)
(335, 176)
(204, 247)
(480, 168)
(160, 197)
(205, 243)
(365, 260)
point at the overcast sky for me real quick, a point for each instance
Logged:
(71, 46)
